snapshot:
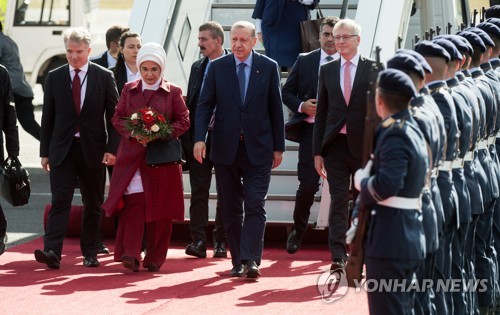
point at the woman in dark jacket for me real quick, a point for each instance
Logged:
(126, 69)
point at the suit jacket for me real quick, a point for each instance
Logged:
(8, 119)
(332, 111)
(259, 119)
(301, 85)
(120, 74)
(59, 118)
(162, 185)
(101, 59)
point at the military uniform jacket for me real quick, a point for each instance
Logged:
(399, 169)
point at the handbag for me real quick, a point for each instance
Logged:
(15, 184)
(309, 31)
(164, 152)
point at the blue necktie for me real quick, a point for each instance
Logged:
(242, 80)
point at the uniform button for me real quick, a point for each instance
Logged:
(374, 212)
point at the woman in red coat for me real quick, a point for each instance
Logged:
(151, 196)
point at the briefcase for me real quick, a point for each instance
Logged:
(309, 31)
(164, 152)
(15, 184)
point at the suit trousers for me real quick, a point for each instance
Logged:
(131, 231)
(340, 166)
(62, 185)
(3, 223)
(308, 181)
(200, 178)
(244, 187)
(385, 302)
(26, 116)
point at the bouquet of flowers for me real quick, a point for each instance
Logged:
(149, 124)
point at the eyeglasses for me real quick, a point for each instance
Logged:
(343, 37)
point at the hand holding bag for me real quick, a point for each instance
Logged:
(309, 31)
(15, 183)
(164, 152)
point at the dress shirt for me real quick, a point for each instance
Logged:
(132, 76)
(111, 60)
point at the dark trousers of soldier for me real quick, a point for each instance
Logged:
(423, 298)
(26, 116)
(458, 242)
(387, 302)
(442, 272)
(308, 182)
(470, 265)
(496, 241)
(200, 178)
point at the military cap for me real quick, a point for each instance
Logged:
(450, 48)
(461, 43)
(489, 28)
(494, 20)
(484, 36)
(406, 63)
(493, 11)
(425, 65)
(429, 49)
(396, 82)
(473, 39)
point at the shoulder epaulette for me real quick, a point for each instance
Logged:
(388, 122)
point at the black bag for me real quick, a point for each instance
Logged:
(309, 31)
(164, 152)
(15, 183)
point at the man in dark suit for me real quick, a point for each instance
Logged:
(278, 19)
(8, 124)
(247, 141)
(107, 59)
(299, 95)
(77, 140)
(339, 128)
(210, 41)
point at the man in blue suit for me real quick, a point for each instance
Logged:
(248, 140)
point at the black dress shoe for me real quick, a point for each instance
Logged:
(237, 271)
(337, 264)
(102, 249)
(252, 271)
(197, 249)
(3, 241)
(153, 268)
(293, 242)
(48, 257)
(131, 263)
(90, 261)
(220, 250)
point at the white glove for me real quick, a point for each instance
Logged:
(306, 2)
(349, 235)
(361, 174)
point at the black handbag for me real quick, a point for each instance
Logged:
(309, 31)
(164, 152)
(15, 184)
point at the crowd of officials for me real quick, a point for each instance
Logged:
(431, 185)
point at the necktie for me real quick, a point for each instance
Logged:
(347, 81)
(242, 80)
(329, 58)
(76, 89)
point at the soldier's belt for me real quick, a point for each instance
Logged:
(469, 156)
(434, 172)
(402, 203)
(446, 166)
(482, 145)
(457, 163)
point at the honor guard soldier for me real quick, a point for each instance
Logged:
(484, 264)
(428, 125)
(390, 187)
(438, 59)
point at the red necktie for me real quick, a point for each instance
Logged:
(76, 89)
(347, 81)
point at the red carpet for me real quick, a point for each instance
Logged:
(184, 285)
